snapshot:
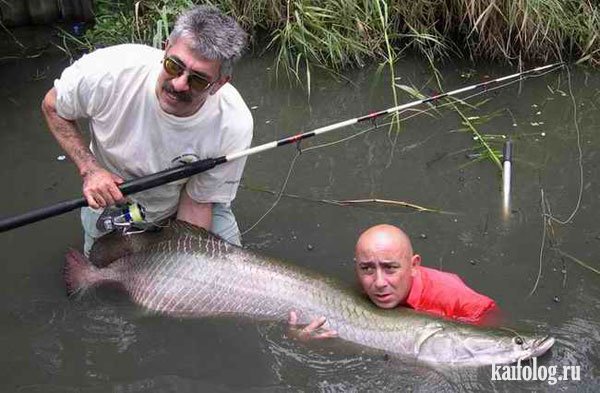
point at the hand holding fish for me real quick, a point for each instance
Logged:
(314, 330)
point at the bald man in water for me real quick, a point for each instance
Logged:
(391, 275)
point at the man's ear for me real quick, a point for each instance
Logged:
(415, 261)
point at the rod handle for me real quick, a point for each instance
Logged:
(127, 188)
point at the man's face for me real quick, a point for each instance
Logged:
(385, 272)
(174, 93)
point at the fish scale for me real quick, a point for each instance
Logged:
(187, 271)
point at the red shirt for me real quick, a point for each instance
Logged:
(446, 295)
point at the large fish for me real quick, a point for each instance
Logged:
(186, 271)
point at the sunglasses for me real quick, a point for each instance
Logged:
(174, 67)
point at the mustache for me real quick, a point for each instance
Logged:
(182, 96)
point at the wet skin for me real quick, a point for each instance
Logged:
(385, 266)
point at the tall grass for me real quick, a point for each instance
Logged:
(334, 34)
(330, 37)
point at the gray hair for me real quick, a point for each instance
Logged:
(213, 35)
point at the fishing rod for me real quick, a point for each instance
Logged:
(187, 170)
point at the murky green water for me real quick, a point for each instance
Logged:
(103, 343)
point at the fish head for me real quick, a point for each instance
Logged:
(471, 346)
(512, 347)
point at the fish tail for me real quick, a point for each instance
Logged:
(79, 273)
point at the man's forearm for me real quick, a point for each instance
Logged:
(199, 214)
(68, 136)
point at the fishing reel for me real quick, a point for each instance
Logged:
(128, 218)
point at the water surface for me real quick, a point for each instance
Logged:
(103, 343)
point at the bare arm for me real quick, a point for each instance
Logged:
(100, 187)
(199, 214)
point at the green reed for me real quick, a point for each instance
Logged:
(333, 35)
(336, 34)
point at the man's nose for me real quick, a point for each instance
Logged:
(180, 83)
(380, 281)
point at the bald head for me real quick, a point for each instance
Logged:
(385, 265)
(384, 237)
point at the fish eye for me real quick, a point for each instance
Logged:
(518, 340)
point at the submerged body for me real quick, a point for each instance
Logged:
(186, 271)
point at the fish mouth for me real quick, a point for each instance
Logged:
(541, 346)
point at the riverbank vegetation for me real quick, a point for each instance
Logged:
(334, 34)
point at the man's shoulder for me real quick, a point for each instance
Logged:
(92, 83)
(437, 280)
(232, 103)
(117, 58)
(126, 51)
(449, 292)
(232, 98)
(439, 277)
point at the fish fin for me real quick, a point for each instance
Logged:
(176, 233)
(201, 236)
(115, 245)
(109, 248)
(175, 228)
(79, 274)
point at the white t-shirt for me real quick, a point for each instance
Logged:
(132, 136)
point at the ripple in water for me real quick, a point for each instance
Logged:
(338, 366)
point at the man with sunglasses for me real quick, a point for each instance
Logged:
(150, 110)
(390, 274)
